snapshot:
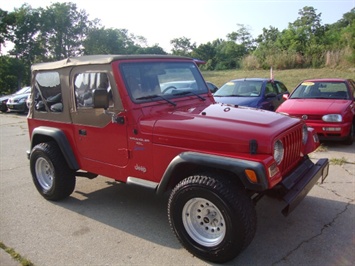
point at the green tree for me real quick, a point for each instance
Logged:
(23, 32)
(11, 73)
(229, 55)
(64, 28)
(21, 28)
(107, 41)
(206, 52)
(117, 41)
(6, 22)
(347, 38)
(308, 20)
(242, 37)
(269, 36)
(182, 46)
(341, 34)
(155, 49)
(306, 33)
(267, 44)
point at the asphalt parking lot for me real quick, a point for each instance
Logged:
(108, 223)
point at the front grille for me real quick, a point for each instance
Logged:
(309, 117)
(292, 141)
(314, 117)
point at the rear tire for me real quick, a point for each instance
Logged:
(212, 217)
(51, 175)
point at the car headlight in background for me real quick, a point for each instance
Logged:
(304, 134)
(332, 118)
(278, 151)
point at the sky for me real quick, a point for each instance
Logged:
(201, 21)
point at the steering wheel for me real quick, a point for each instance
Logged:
(169, 88)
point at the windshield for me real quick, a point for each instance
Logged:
(155, 81)
(321, 90)
(240, 88)
(23, 90)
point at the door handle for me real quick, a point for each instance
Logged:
(82, 132)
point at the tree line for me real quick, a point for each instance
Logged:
(62, 30)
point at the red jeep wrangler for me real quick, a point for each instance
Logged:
(151, 121)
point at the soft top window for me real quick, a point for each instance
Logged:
(48, 92)
(86, 83)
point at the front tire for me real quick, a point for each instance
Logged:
(213, 218)
(349, 139)
(51, 175)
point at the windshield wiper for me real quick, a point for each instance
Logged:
(230, 95)
(149, 97)
(188, 92)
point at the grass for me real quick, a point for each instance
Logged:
(290, 77)
(23, 261)
(338, 161)
(321, 148)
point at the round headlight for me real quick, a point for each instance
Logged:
(278, 151)
(304, 134)
(332, 118)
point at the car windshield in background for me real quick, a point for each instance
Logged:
(157, 81)
(240, 88)
(321, 90)
(23, 90)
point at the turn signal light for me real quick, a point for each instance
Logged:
(251, 176)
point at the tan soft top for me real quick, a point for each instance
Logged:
(97, 59)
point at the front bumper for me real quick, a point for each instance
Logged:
(332, 131)
(17, 107)
(297, 185)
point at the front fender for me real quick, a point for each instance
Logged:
(235, 166)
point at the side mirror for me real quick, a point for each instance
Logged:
(100, 98)
(285, 96)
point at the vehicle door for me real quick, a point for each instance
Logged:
(282, 92)
(272, 98)
(101, 143)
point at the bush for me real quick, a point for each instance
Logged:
(343, 58)
(250, 62)
(285, 60)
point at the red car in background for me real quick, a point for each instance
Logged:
(327, 105)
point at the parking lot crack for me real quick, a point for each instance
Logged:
(304, 242)
(336, 193)
(14, 167)
(348, 170)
